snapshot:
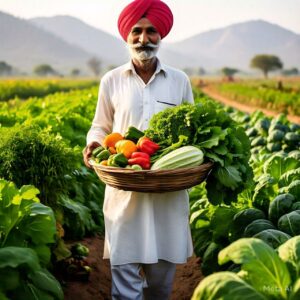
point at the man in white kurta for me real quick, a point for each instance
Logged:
(141, 229)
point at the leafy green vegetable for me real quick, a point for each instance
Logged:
(262, 267)
(289, 252)
(257, 226)
(24, 222)
(242, 219)
(281, 205)
(272, 237)
(290, 223)
(221, 139)
(223, 286)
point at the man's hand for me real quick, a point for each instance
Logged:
(87, 153)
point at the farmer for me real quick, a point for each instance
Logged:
(146, 234)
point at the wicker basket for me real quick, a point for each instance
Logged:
(152, 181)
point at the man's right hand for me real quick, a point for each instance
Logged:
(87, 153)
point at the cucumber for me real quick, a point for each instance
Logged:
(187, 156)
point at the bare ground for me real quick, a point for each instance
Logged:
(99, 284)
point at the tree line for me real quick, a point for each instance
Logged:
(264, 62)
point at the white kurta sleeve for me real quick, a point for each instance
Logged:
(188, 92)
(103, 120)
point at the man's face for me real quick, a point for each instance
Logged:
(143, 40)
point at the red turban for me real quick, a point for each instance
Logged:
(156, 11)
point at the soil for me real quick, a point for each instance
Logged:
(244, 107)
(99, 284)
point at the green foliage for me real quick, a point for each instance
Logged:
(242, 219)
(257, 226)
(281, 205)
(27, 230)
(260, 264)
(24, 222)
(218, 136)
(31, 156)
(26, 88)
(264, 94)
(290, 223)
(225, 286)
(274, 238)
(22, 277)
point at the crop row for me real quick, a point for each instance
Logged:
(285, 97)
(24, 89)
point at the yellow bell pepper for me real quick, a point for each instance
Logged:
(126, 147)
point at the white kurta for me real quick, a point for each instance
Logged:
(142, 227)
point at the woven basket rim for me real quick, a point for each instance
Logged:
(115, 170)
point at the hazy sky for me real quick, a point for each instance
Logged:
(190, 16)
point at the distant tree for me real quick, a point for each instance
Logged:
(229, 73)
(44, 70)
(95, 65)
(200, 71)
(5, 69)
(290, 72)
(75, 72)
(266, 63)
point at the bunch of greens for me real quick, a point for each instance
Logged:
(221, 139)
(29, 155)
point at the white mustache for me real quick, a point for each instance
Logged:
(140, 45)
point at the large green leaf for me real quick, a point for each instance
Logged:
(225, 286)
(221, 221)
(16, 256)
(39, 224)
(277, 165)
(289, 252)
(266, 272)
(217, 135)
(7, 192)
(229, 176)
(45, 281)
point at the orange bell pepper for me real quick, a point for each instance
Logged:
(126, 147)
(112, 150)
(111, 139)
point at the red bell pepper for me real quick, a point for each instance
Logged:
(146, 145)
(140, 158)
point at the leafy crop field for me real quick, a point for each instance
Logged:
(280, 97)
(245, 220)
(23, 89)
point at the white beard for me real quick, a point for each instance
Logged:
(143, 55)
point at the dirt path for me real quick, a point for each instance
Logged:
(244, 107)
(98, 287)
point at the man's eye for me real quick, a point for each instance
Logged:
(152, 30)
(136, 31)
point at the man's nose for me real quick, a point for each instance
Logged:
(143, 38)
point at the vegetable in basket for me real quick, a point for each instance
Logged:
(117, 160)
(126, 147)
(133, 134)
(111, 139)
(140, 158)
(147, 145)
(187, 156)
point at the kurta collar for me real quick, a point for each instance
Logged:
(129, 68)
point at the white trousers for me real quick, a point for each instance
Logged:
(154, 284)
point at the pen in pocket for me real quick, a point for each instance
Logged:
(172, 104)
